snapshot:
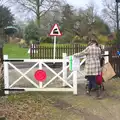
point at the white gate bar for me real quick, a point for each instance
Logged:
(51, 89)
(43, 60)
(40, 67)
(75, 82)
(57, 75)
(40, 89)
(82, 73)
(82, 61)
(70, 76)
(6, 74)
(80, 66)
(22, 76)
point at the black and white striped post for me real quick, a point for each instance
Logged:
(6, 74)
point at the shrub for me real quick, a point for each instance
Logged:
(46, 39)
(32, 32)
(22, 44)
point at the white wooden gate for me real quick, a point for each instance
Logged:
(39, 87)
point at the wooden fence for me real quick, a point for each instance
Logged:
(114, 58)
(43, 52)
(47, 53)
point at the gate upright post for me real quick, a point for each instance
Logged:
(40, 68)
(6, 75)
(75, 82)
(64, 65)
(106, 57)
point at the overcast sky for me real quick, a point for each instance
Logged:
(84, 3)
(77, 4)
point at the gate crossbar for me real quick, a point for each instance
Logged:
(23, 75)
(57, 75)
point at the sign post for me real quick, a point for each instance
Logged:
(54, 46)
(55, 31)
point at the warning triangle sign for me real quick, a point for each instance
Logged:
(55, 31)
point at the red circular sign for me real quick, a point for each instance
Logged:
(40, 75)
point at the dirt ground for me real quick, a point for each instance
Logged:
(63, 106)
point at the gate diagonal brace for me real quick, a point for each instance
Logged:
(57, 75)
(23, 75)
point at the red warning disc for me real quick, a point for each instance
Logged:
(40, 75)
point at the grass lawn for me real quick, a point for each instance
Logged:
(14, 51)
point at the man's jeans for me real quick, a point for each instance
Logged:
(92, 82)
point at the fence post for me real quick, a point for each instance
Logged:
(64, 65)
(75, 82)
(76, 48)
(31, 52)
(1, 54)
(106, 57)
(1, 71)
(6, 74)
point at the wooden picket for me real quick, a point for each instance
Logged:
(44, 52)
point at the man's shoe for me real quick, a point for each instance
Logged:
(88, 93)
(99, 97)
(98, 94)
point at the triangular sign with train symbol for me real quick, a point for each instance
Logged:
(55, 31)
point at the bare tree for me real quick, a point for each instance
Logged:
(38, 7)
(49, 19)
(86, 20)
(109, 12)
(3, 2)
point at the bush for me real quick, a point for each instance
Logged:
(46, 40)
(66, 38)
(22, 44)
(77, 39)
(32, 32)
(103, 39)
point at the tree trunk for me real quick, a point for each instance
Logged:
(1, 73)
(38, 12)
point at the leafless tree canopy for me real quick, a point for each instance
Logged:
(36, 6)
(109, 12)
(3, 2)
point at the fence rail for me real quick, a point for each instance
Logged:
(43, 52)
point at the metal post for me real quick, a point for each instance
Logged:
(117, 19)
(117, 16)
